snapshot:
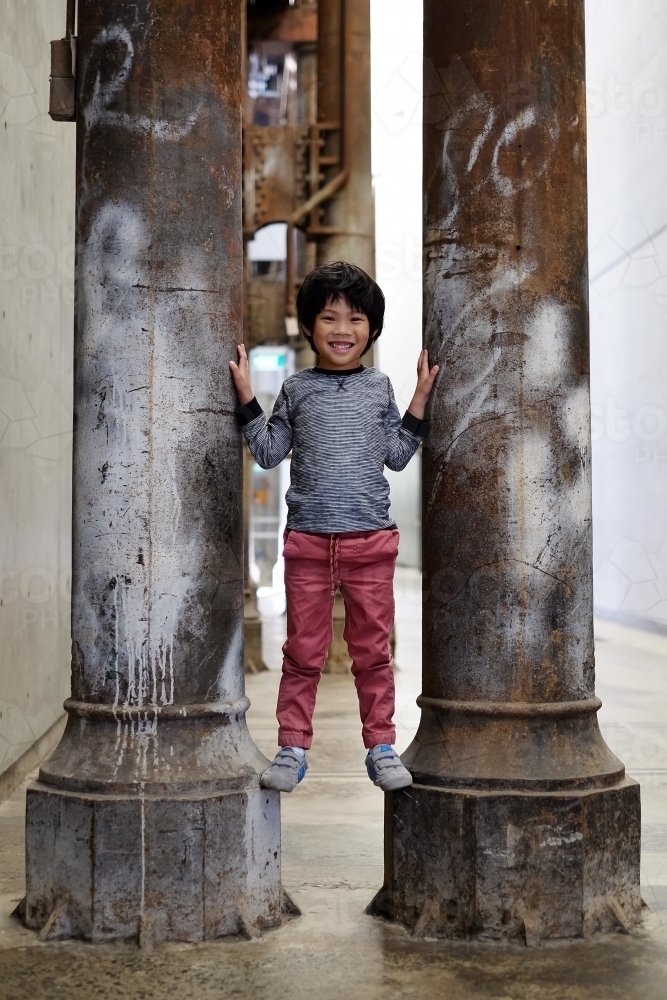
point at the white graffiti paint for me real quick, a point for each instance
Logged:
(481, 139)
(142, 904)
(117, 247)
(506, 353)
(558, 841)
(144, 399)
(472, 394)
(98, 109)
(141, 505)
(232, 664)
(526, 119)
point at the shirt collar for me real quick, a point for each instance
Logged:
(338, 374)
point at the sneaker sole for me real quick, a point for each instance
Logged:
(275, 785)
(393, 786)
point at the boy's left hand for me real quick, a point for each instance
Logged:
(425, 379)
(241, 375)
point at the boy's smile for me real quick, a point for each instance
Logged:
(340, 335)
(341, 346)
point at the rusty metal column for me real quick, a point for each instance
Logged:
(521, 823)
(148, 820)
(345, 94)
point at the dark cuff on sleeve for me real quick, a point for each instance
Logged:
(250, 411)
(419, 428)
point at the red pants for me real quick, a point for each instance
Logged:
(362, 565)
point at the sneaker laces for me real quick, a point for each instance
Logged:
(293, 758)
(386, 756)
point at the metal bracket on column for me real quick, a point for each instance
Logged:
(62, 93)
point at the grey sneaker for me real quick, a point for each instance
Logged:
(286, 771)
(386, 769)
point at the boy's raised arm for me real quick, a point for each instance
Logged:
(269, 441)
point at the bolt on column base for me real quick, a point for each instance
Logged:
(512, 865)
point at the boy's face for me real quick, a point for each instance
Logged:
(340, 335)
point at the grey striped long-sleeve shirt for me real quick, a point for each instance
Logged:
(342, 429)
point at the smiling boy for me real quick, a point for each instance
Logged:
(342, 426)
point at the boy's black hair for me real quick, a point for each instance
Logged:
(340, 280)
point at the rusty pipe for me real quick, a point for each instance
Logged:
(323, 194)
(339, 180)
(350, 217)
(303, 210)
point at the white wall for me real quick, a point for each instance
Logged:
(36, 296)
(627, 124)
(396, 86)
(627, 135)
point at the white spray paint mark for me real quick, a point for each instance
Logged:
(148, 601)
(143, 852)
(477, 387)
(508, 279)
(476, 303)
(559, 841)
(164, 656)
(527, 118)
(232, 666)
(120, 746)
(546, 360)
(146, 737)
(116, 665)
(577, 421)
(176, 514)
(97, 110)
(116, 247)
(481, 139)
(116, 752)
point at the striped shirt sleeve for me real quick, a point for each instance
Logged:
(270, 441)
(402, 436)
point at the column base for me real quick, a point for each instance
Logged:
(338, 659)
(252, 644)
(512, 865)
(152, 868)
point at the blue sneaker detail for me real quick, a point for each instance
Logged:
(286, 771)
(386, 769)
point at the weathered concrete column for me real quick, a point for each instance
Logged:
(148, 820)
(521, 822)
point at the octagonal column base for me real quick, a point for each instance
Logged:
(513, 866)
(185, 868)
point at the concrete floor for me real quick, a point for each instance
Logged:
(332, 866)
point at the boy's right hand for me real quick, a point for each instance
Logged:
(241, 376)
